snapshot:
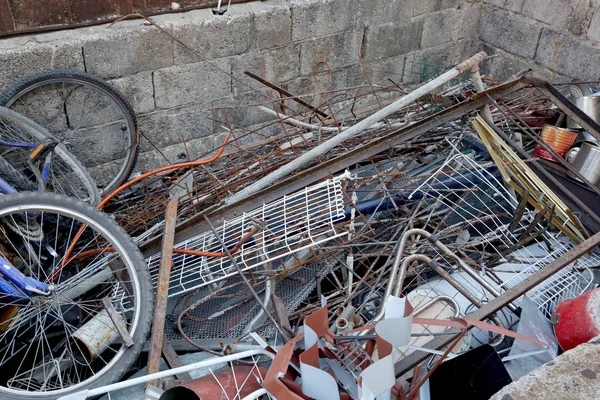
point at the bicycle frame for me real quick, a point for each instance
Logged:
(38, 149)
(17, 285)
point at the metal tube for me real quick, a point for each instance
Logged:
(394, 271)
(459, 288)
(255, 395)
(321, 149)
(259, 318)
(447, 299)
(84, 394)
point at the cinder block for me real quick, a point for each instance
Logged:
(138, 89)
(16, 63)
(392, 39)
(241, 110)
(381, 71)
(513, 33)
(314, 18)
(16, 41)
(423, 7)
(568, 55)
(505, 65)
(338, 51)
(128, 51)
(167, 127)
(439, 28)
(375, 12)
(512, 5)
(426, 64)
(275, 66)
(194, 149)
(469, 21)
(192, 83)
(593, 32)
(570, 15)
(273, 27)
(212, 36)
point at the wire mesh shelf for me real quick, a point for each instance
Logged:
(283, 227)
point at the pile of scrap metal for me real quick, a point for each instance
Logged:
(370, 253)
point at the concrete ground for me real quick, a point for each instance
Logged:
(573, 375)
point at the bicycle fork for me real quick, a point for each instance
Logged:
(15, 285)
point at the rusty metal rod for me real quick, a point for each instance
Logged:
(160, 308)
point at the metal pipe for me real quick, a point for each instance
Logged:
(84, 394)
(227, 383)
(478, 83)
(259, 318)
(465, 267)
(321, 149)
(447, 299)
(256, 395)
(459, 288)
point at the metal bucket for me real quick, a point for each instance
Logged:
(587, 162)
(589, 105)
(559, 139)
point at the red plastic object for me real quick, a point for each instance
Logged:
(579, 320)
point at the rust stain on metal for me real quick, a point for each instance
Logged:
(33, 13)
(160, 310)
(31, 16)
(228, 383)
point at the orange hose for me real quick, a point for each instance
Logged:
(118, 190)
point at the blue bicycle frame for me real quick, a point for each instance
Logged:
(13, 283)
(5, 187)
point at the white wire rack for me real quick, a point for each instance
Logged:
(486, 215)
(293, 223)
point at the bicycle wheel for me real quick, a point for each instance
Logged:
(63, 340)
(90, 117)
(66, 175)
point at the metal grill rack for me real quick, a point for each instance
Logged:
(283, 227)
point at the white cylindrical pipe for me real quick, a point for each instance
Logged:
(324, 147)
(95, 336)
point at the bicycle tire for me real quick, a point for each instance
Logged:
(47, 203)
(14, 178)
(31, 132)
(15, 94)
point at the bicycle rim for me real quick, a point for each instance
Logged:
(57, 344)
(66, 174)
(89, 117)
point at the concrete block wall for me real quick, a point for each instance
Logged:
(181, 95)
(560, 39)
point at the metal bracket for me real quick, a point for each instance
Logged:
(114, 317)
